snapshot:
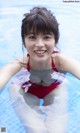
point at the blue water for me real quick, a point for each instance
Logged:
(68, 15)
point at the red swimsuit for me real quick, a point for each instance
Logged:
(39, 90)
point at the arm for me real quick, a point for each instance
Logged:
(10, 69)
(66, 63)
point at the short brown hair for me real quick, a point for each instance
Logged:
(39, 19)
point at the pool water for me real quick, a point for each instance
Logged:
(11, 14)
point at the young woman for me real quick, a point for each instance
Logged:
(45, 75)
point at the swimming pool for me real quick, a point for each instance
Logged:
(11, 14)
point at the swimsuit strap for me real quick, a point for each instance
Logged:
(28, 64)
(53, 65)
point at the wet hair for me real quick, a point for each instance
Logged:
(39, 19)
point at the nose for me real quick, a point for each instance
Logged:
(39, 43)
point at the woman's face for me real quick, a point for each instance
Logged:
(40, 46)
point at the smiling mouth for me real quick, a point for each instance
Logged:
(40, 51)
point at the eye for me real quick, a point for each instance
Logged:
(47, 37)
(32, 37)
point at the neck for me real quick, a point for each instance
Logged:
(36, 65)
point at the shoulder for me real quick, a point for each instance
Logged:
(23, 60)
(61, 61)
(67, 63)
